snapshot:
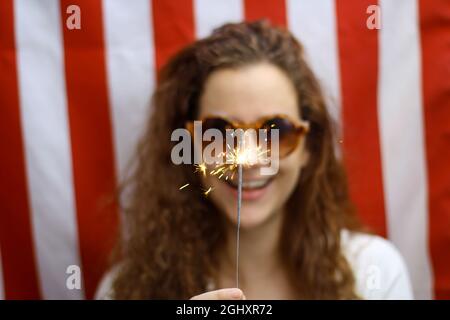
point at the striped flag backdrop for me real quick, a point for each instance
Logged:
(73, 102)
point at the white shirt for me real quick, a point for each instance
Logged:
(378, 267)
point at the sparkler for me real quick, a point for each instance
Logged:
(236, 159)
(239, 204)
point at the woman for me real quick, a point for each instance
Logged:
(299, 237)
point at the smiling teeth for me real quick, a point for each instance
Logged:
(253, 184)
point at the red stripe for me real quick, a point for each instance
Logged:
(358, 56)
(19, 268)
(274, 10)
(435, 38)
(91, 139)
(173, 27)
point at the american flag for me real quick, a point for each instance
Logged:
(74, 101)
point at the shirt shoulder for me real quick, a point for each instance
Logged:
(105, 288)
(378, 266)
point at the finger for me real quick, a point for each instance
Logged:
(222, 294)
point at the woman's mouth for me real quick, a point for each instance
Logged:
(252, 189)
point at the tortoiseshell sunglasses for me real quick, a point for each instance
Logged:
(290, 131)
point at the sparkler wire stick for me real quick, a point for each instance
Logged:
(235, 159)
(239, 203)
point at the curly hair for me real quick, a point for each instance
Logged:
(167, 250)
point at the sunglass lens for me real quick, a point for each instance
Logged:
(287, 132)
(218, 124)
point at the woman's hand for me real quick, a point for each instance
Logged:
(222, 294)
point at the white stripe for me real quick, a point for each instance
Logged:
(2, 287)
(210, 14)
(131, 72)
(47, 144)
(314, 24)
(402, 139)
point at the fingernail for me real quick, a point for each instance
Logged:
(236, 294)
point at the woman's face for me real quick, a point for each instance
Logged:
(247, 94)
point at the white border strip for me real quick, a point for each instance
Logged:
(402, 139)
(47, 143)
(210, 14)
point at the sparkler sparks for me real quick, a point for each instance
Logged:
(184, 186)
(208, 191)
(246, 156)
(201, 168)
